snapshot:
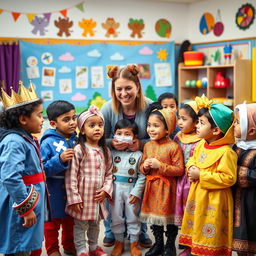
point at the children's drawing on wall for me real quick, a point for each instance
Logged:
(144, 72)
(163, 74)
(136, 26)
(82, 77)
(32, 72)
(47, 58)
(48, 76)
(47, 95)
(64, 25)
(245, 16)
(206, 24)
(32, 61)
(226, 53)
(111, 27)
(88, 27)
(97, 77)
(163, 28)
(65, 86)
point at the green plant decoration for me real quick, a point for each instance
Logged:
(150, 93)
(216, 56)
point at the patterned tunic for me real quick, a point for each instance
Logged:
(245, 202)
(88, 173)
(187, 143)
(208, 219)
(158, 204)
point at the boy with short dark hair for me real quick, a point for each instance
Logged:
(56, 152)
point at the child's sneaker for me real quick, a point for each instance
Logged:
(186, 252)
(98, 252)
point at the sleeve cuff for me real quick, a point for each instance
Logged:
(28, 204)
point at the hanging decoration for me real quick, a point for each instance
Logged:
(30, 16)
(163, 28)
(87, 26)
(245, 16)
(39, 23)
(63, 24)
(111, 26)
(218, 26)
(206, 24)
(136, 26)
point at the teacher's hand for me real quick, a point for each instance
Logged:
(119, 145)
(135, 146)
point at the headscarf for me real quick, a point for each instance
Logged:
(169, 118)
(92, 111)
(247, 121)
(193, 105)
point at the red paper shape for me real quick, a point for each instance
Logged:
(64, 13)
(15, 15)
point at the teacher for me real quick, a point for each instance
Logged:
(128, 102)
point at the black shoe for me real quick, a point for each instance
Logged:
(145, 242)
(171, 234)
(108, 242)
(158, 247)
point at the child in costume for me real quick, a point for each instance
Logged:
(89, 182)
(244, 238)
(22, 182)
(208, 218)
(187, 139)
(56, 151)
(129, 186)
(162, 162)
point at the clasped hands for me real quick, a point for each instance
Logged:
(193, 173)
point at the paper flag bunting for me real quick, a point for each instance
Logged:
(15, 15)
(30, 17)
(47, 16)
(1, 10)
(64, 13)
(80, 7)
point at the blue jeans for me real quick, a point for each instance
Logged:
(108, 232)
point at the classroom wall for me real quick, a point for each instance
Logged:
(99, 10)
(228, 10)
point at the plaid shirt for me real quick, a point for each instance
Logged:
(88, 173)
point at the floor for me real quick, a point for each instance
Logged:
(127, 252)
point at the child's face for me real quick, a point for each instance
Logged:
(93, 129)
(34, 122)
(170, 104)
(185, 121)
(66, 123)
(203, 128)
(125, 132)
(237, 129)
(155, 128)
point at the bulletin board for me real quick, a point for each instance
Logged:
(78, 73)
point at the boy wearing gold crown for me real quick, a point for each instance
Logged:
(207, 226)
(22, 183)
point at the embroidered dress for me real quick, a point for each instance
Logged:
(187, 143)
(19, 159)
(88, 173)
(208, 219)
(158, 206)
(245, 202)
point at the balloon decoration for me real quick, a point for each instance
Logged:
(245, 16)
(219, 26)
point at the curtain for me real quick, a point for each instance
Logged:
(10, 65)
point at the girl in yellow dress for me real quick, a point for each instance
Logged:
(207, 225)
(162, 162)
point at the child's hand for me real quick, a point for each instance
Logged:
(193, 173)
(29, 220)
(119, 145)
(135, 145)
(134, 199)
(76, 207)
(100, 196)
(147, 164)
(67, 155)
(155, 164)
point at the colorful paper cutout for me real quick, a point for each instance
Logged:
(32, 61)
(64, 69)
(163, 28)
(117, 56)
(136, 26)
(78, 97)
(39, 23)
(63, 24)
(66, 57)
(94, 54)
(87, 26)
(111, 26)
(206, 24)
(245, 16)
(162, 54)
(145, 51)
(144, 71)
(47, 58)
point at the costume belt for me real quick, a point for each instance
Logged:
(151, 178)
(124, 179)
(34, 178)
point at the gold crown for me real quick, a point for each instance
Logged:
(23, 97)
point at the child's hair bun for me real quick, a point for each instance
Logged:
(112, 71)
(153, 106)
(133, 69)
